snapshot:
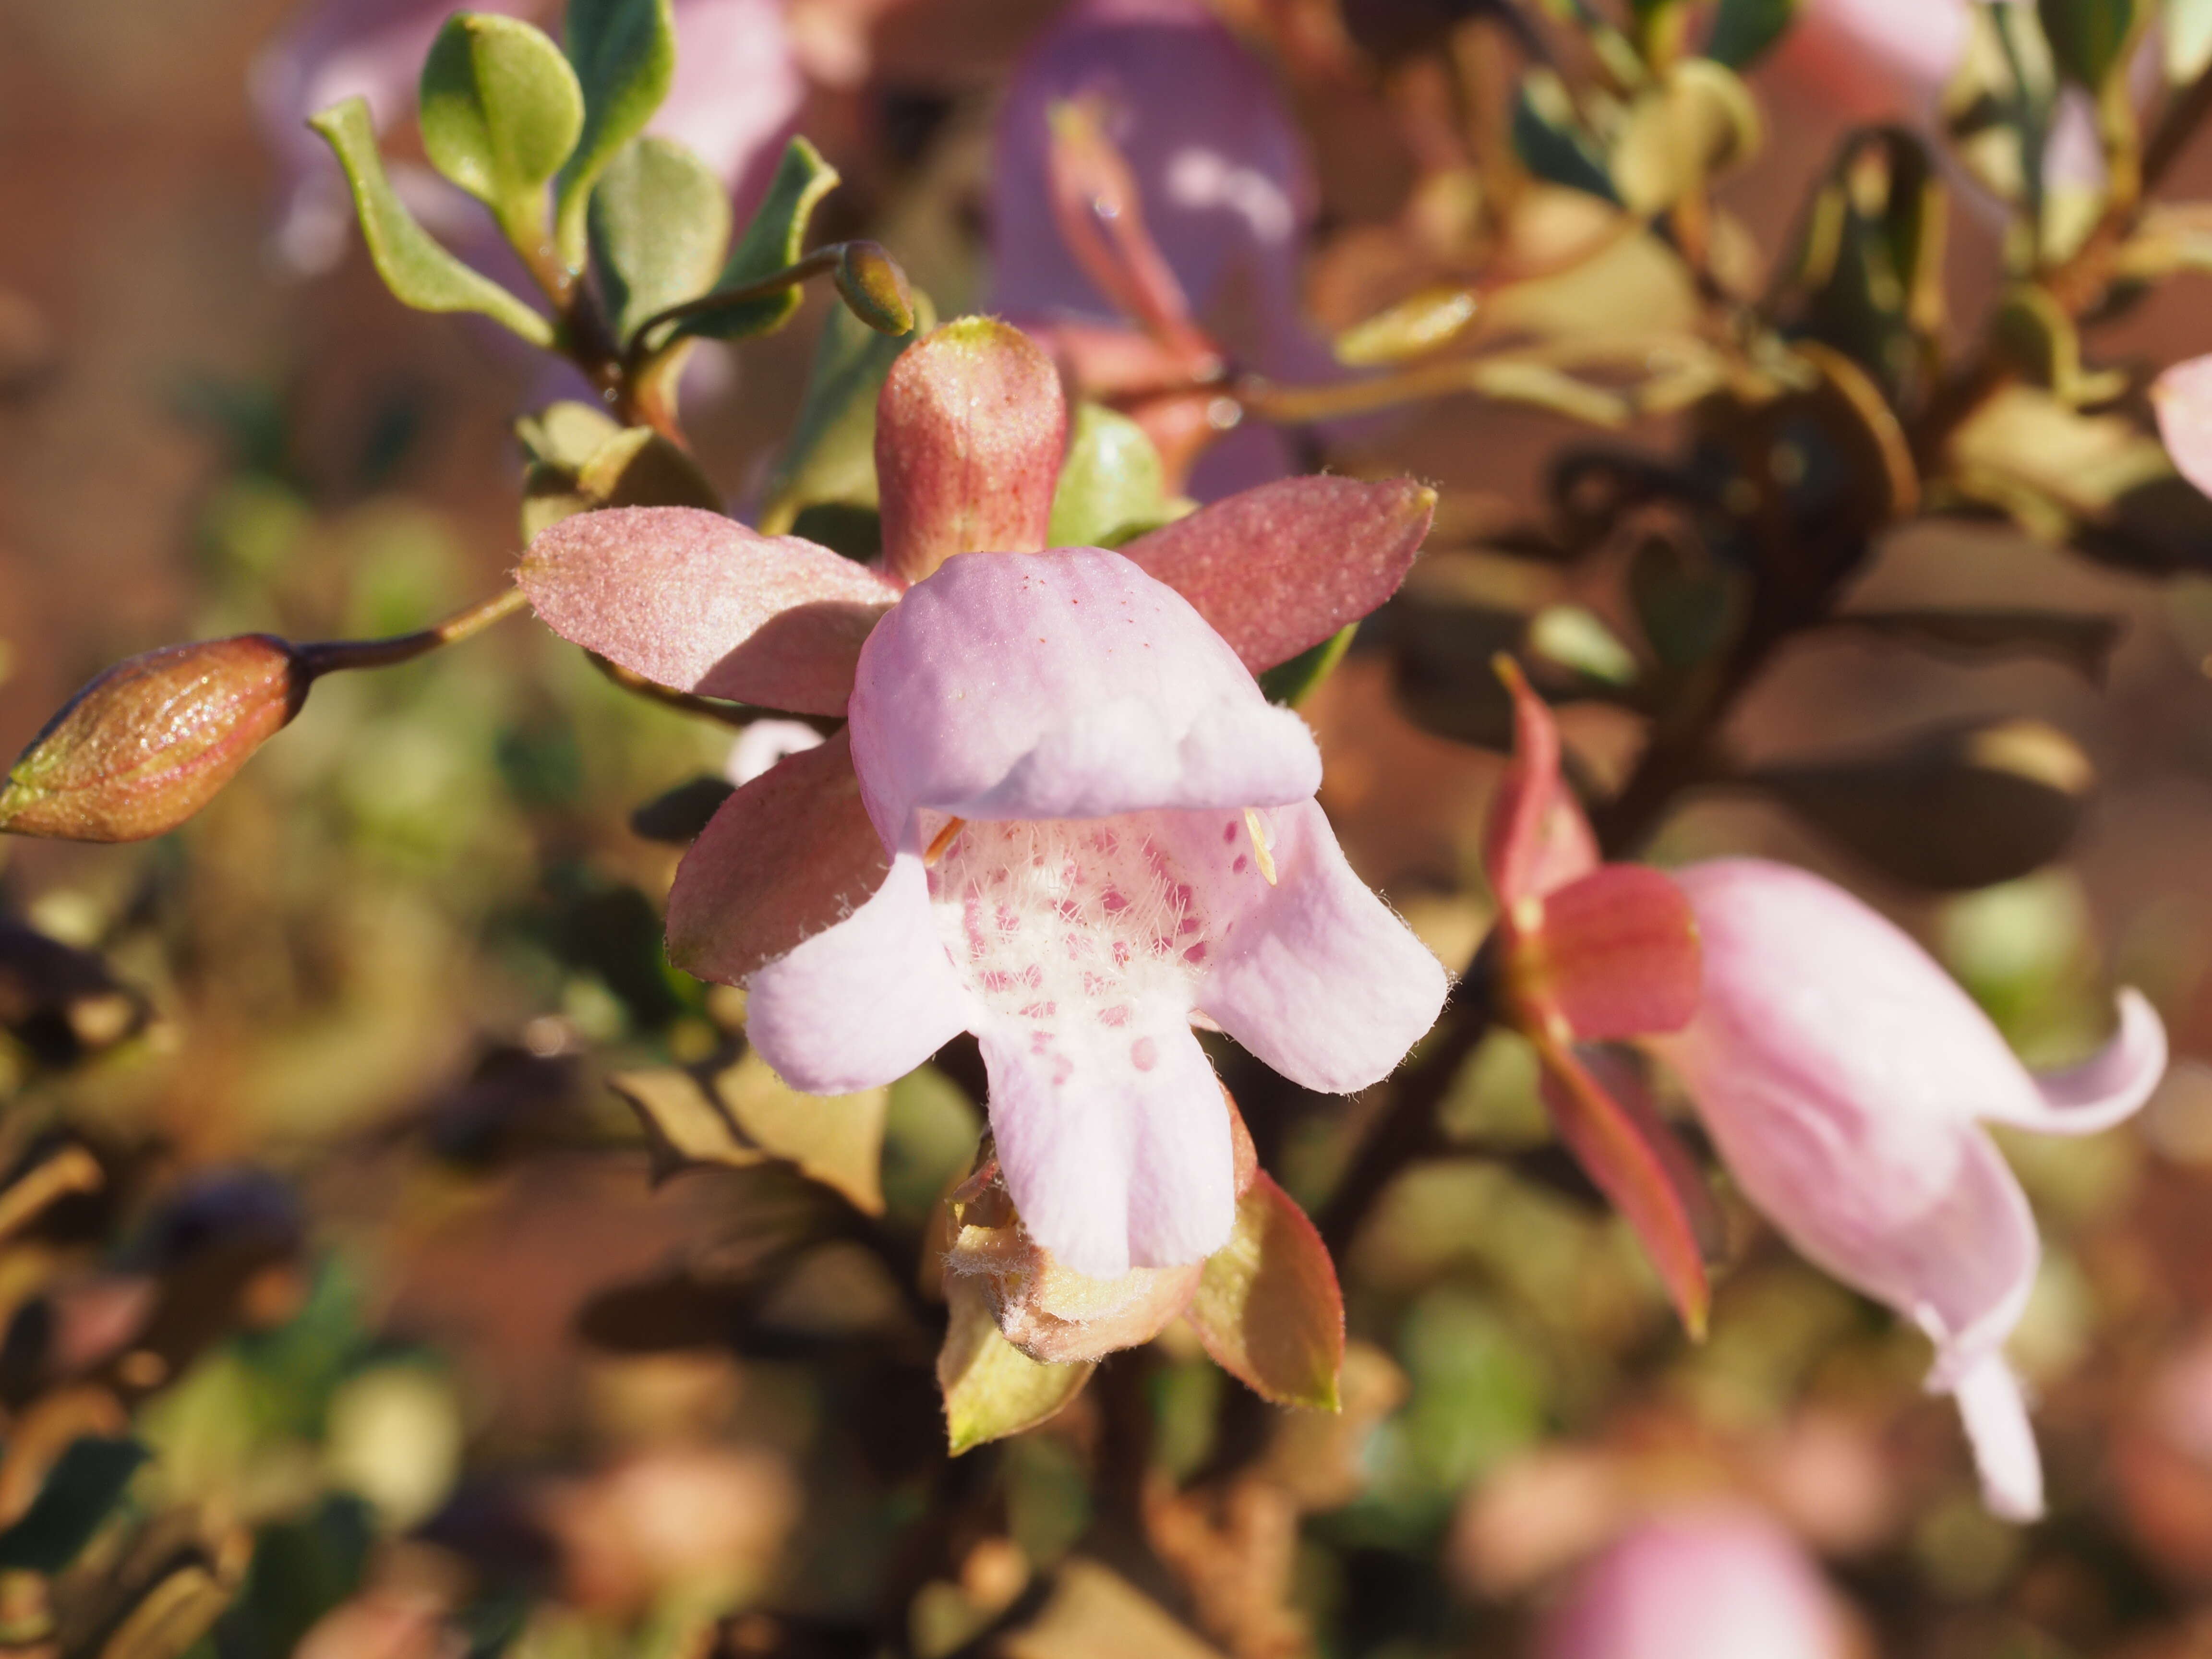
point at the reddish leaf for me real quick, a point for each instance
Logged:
(1268, 1309)
(1626, 1147)
(788, 855)
(1283, 567)
(1536, 839)
(1613, 955)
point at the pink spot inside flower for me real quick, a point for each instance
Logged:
(1144, 1054)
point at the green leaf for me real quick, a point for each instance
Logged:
(566, 434)
(991, 1388)
(1575, 637)
(772, 241)
(624, 53)
(830, 458)
(638, 467)
(84, 1485)
(661, 224)
(2188, 39)
(1112, 476)
(1290, 682)
(418, 271)
(500, 110)
(1548, 138)
(1269, 1308)
(2090, 39)
(746, 1114)
(1744, 30)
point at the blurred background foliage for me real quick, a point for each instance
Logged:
(343, 1314)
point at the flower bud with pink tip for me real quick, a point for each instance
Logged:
(1062, 813)
(970, 431)
(1701, 1583)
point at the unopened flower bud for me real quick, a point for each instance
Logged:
(150, 741)
(970, 431)
(875, 288)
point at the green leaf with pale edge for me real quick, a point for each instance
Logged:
(746, 1115)
(566, 434)
(1547, 137)
(830, 456)
(1291, 683)
(624, 53)
(500, 110)
(1745, 30)
(418, 271)
(991, 1388)
(1112, 476)
(638, 467)
(1269, 1308)
(85, 1484)
(773, 241)
(661, 224)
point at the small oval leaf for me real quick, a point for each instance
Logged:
(991, 1388)
(501, 112)
(1269, 1308)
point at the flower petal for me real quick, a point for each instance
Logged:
(1285, 565)
(1061, 685)
(2182, 398)
(864, 1002)
(1113, 1140)
(788, 856)
(699, 602)
(1996, 1418)
(1313, 974)
(2104, 1090)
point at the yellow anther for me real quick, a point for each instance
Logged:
(943, 839)
(1260, 849)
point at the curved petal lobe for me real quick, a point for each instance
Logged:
(866, 1002)
(2107, 1088)
(1114, 1140)
(1314, 973)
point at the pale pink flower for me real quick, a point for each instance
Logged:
(1706, 1584)
(1846, 1078)
(1062, 813)
(735, 99)
(2182, 397)
(1202, 250)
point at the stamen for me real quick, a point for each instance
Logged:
(943, 839)
(1261, 852)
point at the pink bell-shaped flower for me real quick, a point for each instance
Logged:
(1062, 813)
(1707, 1583)
(1846, 1078)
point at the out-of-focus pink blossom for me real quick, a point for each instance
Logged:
(1206, 240)
(1708, 1583)
(1846, 1078)
(2182, 397)
(1062, 813)
(735, 99)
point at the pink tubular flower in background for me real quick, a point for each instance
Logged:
(1843, 1076)
(1711, 1584)
(1062, 813)
(736, 96)
(1846, 1078)
(1163, 153)
(2182, 397)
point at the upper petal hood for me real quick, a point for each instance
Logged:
(1066, 685)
